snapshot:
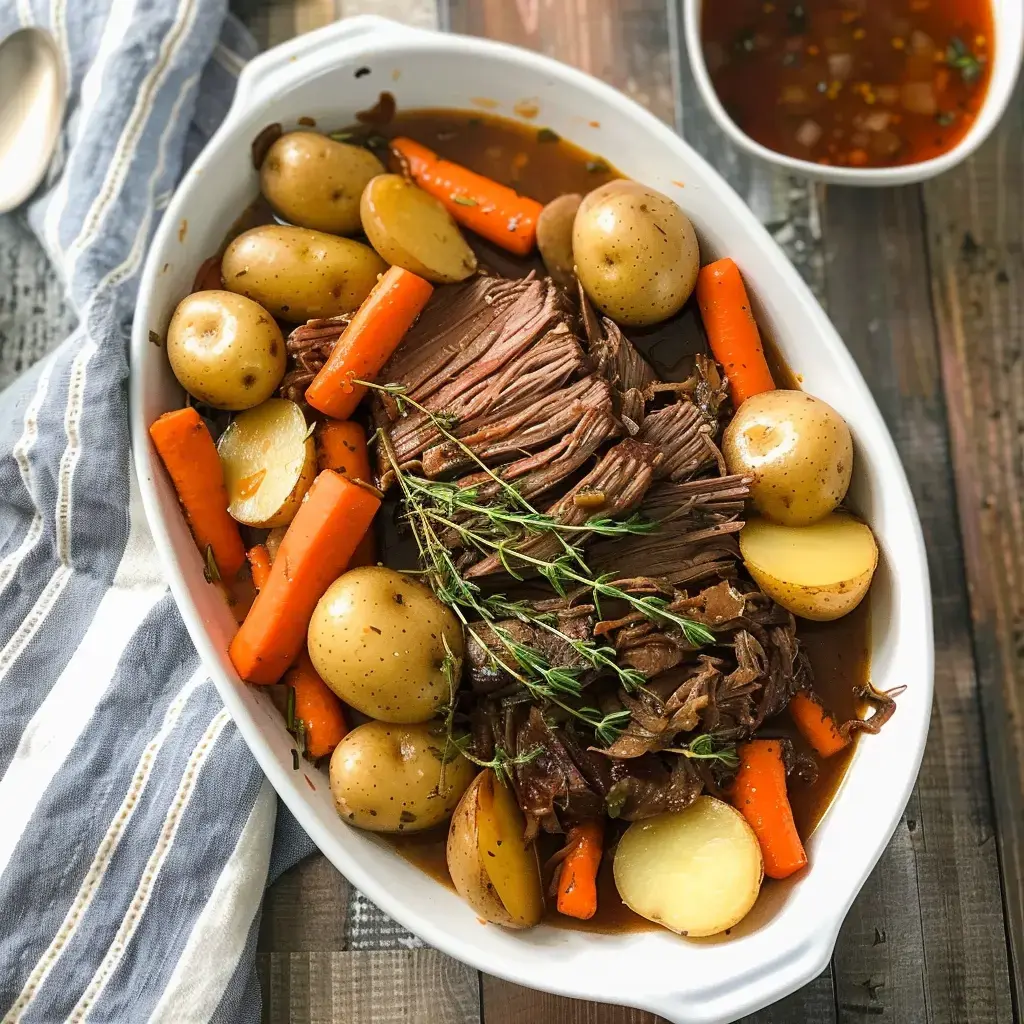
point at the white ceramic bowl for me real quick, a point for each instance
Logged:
(789, 937)
(1008, 21)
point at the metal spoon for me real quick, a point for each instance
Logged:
(32, 85)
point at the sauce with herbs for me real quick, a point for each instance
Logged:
(850, 83)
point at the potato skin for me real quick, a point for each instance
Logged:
(314, 182)
(554, 237)
(225, 350)
(797, 451)
(269, 464)
(819, 572)
(377, 638)
(412, 230)
(299, 274)
(384, 777)
(490, 866)
(636, 253)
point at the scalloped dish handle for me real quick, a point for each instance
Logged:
(321, 48)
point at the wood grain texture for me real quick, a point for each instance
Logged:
(976, 243)
(926, 940)
(305, 909)
(418, 986)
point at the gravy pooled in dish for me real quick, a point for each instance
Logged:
(550, 553)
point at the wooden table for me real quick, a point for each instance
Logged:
(926, 284)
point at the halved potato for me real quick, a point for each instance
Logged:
(269, 461)
(696, 872)
(493, 869)
(819, 572)
(411, 229)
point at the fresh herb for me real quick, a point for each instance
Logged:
(502, 763)
(211, 573)
(309, 431)
(341, 136)
(465, 201)
(960, 58)
(295, 760)
(945, 118)
(435, 509)
(547, 135)
(702, 748)
(597, 166)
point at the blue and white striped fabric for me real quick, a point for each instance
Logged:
(135, 828)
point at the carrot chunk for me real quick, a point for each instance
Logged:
(759, 794)
(316, 549)
(341, 446)
(577, 884)
(732, 332)
(259, 565)
(816, 725)
(374, 333)
(316, 707)
(494, 211)
(187, 450)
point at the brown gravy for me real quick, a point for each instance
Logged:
(524, 157)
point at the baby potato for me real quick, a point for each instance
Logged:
(797, 451)
(300, 274)
(314, 182)
(225, 350)
(818, 572)
(492, 868)
(387, 777)
(269, 462)
(412, 230)
(697, 872)
(554, 237)
(636, 253)
(378, 639)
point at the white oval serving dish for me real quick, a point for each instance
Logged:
(789, 937)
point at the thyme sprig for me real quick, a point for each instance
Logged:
(703, 748)
(433, 508)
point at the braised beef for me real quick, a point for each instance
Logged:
(558, 404)
(618, 482)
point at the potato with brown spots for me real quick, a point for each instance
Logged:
(225, 350)
(493, 868)
(411, 229)
(314, 182)
(796, 450)
(300, 274)
(389, 778)
(379, 640)
(636, 253)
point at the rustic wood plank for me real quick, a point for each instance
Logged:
(505, 1003)
(976, 243)
(305, 910)
(397, 987)
(926, 939)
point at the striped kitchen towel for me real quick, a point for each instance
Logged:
(135, 827)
